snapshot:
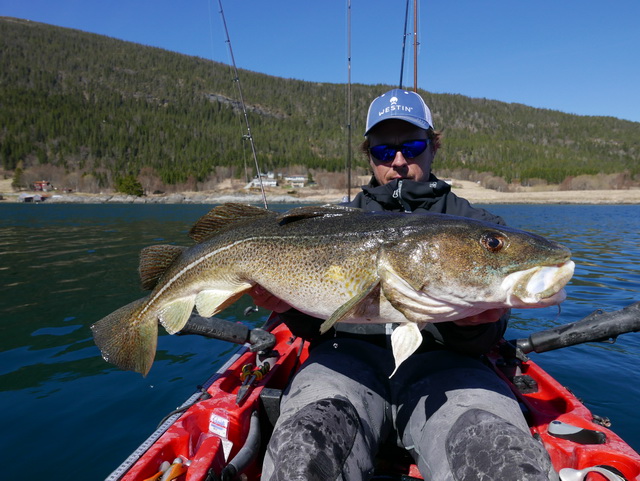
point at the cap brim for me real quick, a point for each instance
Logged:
(423, 124)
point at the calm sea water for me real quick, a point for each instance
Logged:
(67, 414)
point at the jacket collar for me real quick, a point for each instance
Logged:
(407, 195)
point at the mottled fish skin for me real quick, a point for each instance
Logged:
(338, 264)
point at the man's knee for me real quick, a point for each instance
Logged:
(314, 443)
(482, 446)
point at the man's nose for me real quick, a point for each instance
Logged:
(399, 160)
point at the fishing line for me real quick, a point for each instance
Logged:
(559, 312)
(211, 32)
(204, 395)
(248, 136)
(213, 49)
(348, 100)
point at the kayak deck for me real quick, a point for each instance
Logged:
(217, 436)
(554, 413)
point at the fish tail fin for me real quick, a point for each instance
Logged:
(126, 339)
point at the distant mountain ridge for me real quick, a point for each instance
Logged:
(102, 108)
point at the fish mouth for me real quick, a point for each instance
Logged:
(539, 286)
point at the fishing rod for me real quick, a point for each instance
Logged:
(236, 79)
(415, 44)
(404, 42)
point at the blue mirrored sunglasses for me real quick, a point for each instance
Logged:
(409, 149)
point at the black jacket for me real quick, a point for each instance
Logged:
(409, 196)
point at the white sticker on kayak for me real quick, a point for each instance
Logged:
(219, 425)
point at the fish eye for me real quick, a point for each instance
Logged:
(492, 241)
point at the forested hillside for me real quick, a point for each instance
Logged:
(100, 109)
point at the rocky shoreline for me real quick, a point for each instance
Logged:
(177, 198)
(167, 199)
(469, 190)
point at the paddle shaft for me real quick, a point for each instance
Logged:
(597, 326)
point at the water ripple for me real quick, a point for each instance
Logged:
(64, 267)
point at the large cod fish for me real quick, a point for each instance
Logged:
(339, 264)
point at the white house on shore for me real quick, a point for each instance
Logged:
(296, 181)
(269, 180)
(266, 180)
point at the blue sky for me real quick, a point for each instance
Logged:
(580, 57)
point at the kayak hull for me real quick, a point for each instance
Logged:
(216, 433)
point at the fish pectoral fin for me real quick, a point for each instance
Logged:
(351, 306)
(405, 339)
(126, 341)
(154, 261)
(211, 301)
(175, 314)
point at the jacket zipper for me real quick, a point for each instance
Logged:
(397, 194)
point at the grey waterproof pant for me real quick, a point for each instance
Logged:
(453, 414)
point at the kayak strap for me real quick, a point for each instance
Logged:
(270, 399)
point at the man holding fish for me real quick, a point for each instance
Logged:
(452, 413)
(399, 293)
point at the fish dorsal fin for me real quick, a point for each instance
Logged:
(309, 212)
(223, 216)
(154, 261)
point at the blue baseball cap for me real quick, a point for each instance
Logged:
(399, 104)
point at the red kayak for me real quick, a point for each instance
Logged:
(220, 433)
